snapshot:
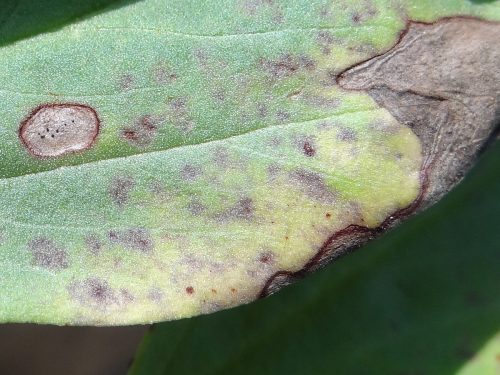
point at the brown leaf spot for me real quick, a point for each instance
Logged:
(94, 293)
(119, 190)
(179, 114)
(143, 132)
(347, 135)
(47, 254)
(313, 184)
(287, 65)
(93, 244)
(244, 209)
(54, 130)
(189, 290)
(190, 172)
(163, 76)
(138, 239)
(126, 82)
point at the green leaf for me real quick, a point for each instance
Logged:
(225, 151)
(421, 300)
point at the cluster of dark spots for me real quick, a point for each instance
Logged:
(138, 239)
(286, 65)
(143, 132)
(189, 290)
(190, 172)
(53, 130)
(196, 208)
(178, 114)
(47, 254)
(313, 185)
(243, 209)
(94, 244)
(126, 82)
(94, 292)
(347, 135)
(119, 190)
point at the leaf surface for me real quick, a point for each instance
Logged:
(226, 151)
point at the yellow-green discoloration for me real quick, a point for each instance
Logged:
(253, 156)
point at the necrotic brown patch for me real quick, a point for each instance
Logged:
(307, 146)
(119, 190)
(47, 254)
(54, 130)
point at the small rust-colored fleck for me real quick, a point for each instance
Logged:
(189, 290)
(54, 130)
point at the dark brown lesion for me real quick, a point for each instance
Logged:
(443, 81)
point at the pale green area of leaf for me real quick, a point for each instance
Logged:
(224, 179)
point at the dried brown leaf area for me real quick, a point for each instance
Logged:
(443, 81)
(54, 130)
